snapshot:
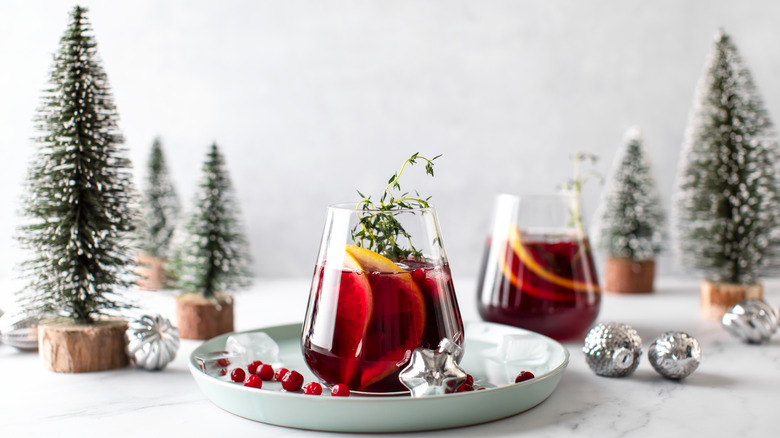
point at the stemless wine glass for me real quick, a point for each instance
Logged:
(538, 271)
(378, 292)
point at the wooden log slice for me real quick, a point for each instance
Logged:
(203, 318)
(65, 347)
(629, 276)
(718, 298)
(151, 272)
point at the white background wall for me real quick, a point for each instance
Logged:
(311, 100)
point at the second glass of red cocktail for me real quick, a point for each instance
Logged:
(538, 271)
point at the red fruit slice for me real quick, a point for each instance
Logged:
(396, 327)
(353, 313)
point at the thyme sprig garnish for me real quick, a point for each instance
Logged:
(378, 229)
(574, 186)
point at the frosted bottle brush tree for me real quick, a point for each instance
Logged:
(160, 207)
(78, 195)
(630, 221)
(213, 258)
(727, 204)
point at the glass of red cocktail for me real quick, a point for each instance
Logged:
(382, 287)
(538, 271)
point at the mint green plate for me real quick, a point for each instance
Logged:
(543, 356)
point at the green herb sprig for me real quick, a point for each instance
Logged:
(378, 229)
(574, 187)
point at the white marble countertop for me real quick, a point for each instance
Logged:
(735, 391)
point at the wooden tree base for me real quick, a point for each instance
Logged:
(65, 347)
(203, 318)
(718, 298)
(151, 272)
(629, 276)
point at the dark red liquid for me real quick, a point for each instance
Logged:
(361, 328)
(547, 285)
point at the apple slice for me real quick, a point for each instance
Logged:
(353, 314)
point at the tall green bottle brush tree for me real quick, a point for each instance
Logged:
(727, 203)
(212, 255)
(630, 220)
(160, 211)
(78, 209)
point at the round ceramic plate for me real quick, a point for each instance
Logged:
(494, 355)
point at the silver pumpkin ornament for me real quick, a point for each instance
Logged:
(675, 355)
(612, 349)
(20, 330)
(152, 342)
(754, 321)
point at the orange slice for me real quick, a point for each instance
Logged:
(516, 243)
(369, 261)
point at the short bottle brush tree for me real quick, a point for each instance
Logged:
(727, 203)
(77, 205)
(160, 207)
(630, 221)
(213, 257)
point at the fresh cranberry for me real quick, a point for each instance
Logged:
(339, 390)
(265, 372)
(523, 376)
(467, 385)
(292, 381)
(252, 367)
(238, 375)
(253, 381)
(223, 362)
(312, 388)
(280, 373)
(418, 275)
(223, 372)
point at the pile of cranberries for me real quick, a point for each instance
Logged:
(291, 380)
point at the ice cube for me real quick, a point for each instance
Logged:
(528, 349)
(217, 363)
(254, 346)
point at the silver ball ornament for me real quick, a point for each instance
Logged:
(612, 349)
(20, 330)
(152, 342)
(675, 355)
(754, 321)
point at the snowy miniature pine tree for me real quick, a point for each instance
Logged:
(630, 220)
(78, 189)
(213, 256)
(160, 205)
(727, 205)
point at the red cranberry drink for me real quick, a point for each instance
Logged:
(543, 282)
(367, 314)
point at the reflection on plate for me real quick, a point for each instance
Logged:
(486, 345)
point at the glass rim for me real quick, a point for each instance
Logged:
(352, 206)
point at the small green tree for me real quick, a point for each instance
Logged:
(727, 204)
(78, 189)
(630, 220)
(213, 256)
(160, 205)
